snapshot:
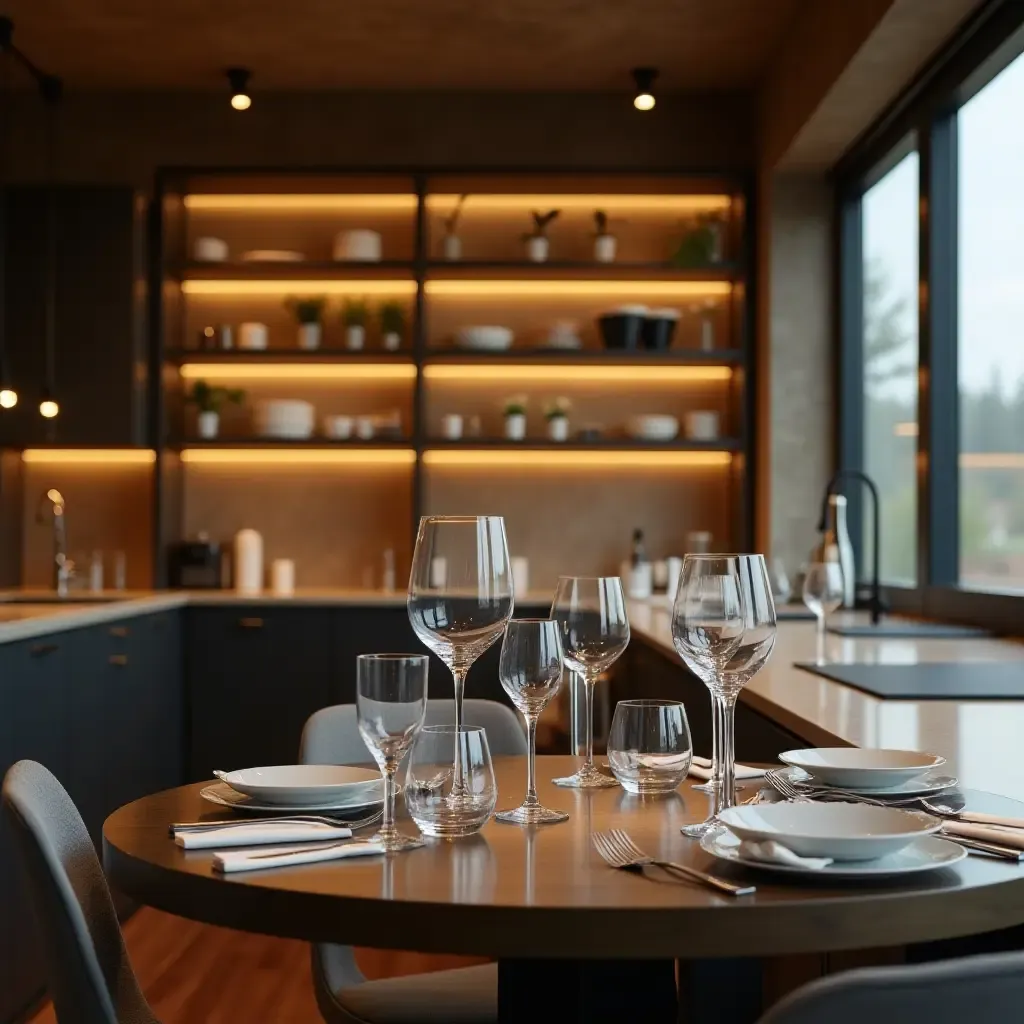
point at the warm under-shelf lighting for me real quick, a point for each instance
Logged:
(992, 460)
(299, 456)
(313, 372)
(567, 374)
(570, 458)
(90, 456)
(619, 203)
(310, 203)
(276, 288)
(528, 289)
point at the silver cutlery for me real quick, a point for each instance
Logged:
(298, 819)
(980, 846)
(801, 791)
(307, 847)
(618, 850)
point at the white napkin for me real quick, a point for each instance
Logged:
(772, 852)
(986, 833)
(981, 818)
(286, 856)
(700, 768)
(257, 833)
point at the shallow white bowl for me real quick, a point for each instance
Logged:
(861, 767)
(652, 427)
(485, 338)
(837, 830)
(301, 783)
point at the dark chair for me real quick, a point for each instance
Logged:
(91, 980)
(465, 995)
(979, 989)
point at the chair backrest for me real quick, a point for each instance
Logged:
(980, 989)
(91, 980)
(331, 735)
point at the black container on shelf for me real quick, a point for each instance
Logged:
(623, 328)
(659, 329)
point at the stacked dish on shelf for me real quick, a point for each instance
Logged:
(288, 419)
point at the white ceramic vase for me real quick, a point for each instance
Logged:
(452, 247)
(558, 428)
(515, 426)
(309, 336)
(355, 336)
(604, 248)
(537, 248)
(392, 341)
(209, 424)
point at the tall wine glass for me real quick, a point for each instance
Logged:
(707, 627)
(591, 613)
(391, 700)
(823, 594)
(460, 595)
(530, 670)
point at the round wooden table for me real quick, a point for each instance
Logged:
(536, 898)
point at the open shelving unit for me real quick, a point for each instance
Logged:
(711, 481)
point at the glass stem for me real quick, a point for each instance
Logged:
(727, 752)
(387, 825)
(531, 761)
(716, 740)
(588, 721)
(459, 676)
(820, 645)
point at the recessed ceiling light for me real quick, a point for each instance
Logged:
(644, 79)
(238, 79)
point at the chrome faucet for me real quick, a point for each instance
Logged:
(63, 567)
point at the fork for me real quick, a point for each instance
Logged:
(304, 819)
(618, 850)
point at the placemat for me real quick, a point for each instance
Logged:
(793, 613)
(964, 680)
(895, 628)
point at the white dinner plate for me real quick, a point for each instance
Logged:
(852, 767)
(293, 784)
(923, 786)
(224, 796)
(842, 831)
(927, 854)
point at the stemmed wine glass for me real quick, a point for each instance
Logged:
(391, 700)
(530, 670)
(460, 596)
(823, 594)
(591, 613)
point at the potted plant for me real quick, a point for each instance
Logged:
(451, 243)
(557, 416)
(537, 245)
(354, 314)
(605, 244)
(392, 324)
(702, 244)
(208, 401)
(309, 314)
(515, 417)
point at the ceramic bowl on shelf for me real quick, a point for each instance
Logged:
(358, 245)
(210, 250)
(287, 419)
(652, 427)
(623, 328)
(659, 328)
(485, 338)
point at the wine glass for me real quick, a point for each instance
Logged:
(591, 613)
(707, 627)
(530, 670)
(460, 595)
(391, 700)
(823, 590)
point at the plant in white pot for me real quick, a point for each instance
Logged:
(354, 314)
(537, 244)
(309, 313)
(208, 401)
(392, 324)
(515, 418)
(451, 244)
(605, 243)
(557, 416)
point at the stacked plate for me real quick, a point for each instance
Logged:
(285, 418)
(298, 788)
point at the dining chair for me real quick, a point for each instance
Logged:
(462, 995)
(981, 989)
(90, 977)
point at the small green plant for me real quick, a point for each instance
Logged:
(557, 409)
(309, 310)
(541, 221)
(392, 318)
(355, 312)
(451, 222)
(515, 405)
(210, 399)
(696, 247)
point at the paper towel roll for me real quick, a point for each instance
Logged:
(282, 576)
(248, 561)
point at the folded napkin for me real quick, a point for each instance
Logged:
(700, 768)
(256, 833)
(980, 818)
(772, 852)
(1011, 837)
(286, 856)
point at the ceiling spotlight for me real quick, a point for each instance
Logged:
(644, 78)
(8, 398)
(238, 79)
(48, 408)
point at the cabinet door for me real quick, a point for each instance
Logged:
(254, 675)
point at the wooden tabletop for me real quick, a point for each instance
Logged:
(513, 892)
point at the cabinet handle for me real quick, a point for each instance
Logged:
(39, 650)
(251, 623)
(118, 659)
(118, 630)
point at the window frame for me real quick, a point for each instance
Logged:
(925, 117)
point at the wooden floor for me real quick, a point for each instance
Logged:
(197, 974)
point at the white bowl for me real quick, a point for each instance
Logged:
(285, 418)
(212, 250)
(485, 338)
(861, 768)
(338, 427)
(652, 427)
(838, 830)
(301, 783)
(358, 245)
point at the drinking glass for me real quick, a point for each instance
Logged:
(823, 590)
(460, 595)
(530, 670)
(649, 746)
(431, 781)
(391, 700)
(591, 614)
(707, 627)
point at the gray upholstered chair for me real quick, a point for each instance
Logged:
(980, 989)
(91, 980)
(465, 995)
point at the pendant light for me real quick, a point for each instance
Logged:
(238, 80)
(8, 396)
(644, 79)
(51, 89)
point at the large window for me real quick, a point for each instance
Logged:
(890, 274)
(991, 334)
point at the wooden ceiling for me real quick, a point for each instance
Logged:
(402, 44)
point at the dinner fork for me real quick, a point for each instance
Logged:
(303, 819)
(618, 850)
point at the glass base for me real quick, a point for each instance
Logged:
(531, 814)
(699, 829)
(588, 777)
(397, 843)
(704, 787)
